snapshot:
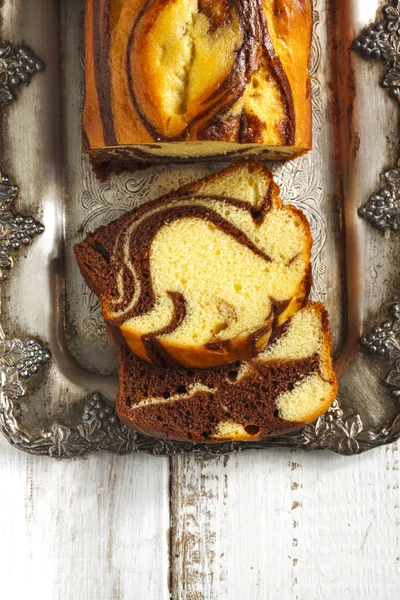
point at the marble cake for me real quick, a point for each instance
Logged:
(289, 384)
(187, 79)
(193, 286)
(201, 276)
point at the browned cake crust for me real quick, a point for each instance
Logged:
(170, 406)
(160, 75)
(101, 258)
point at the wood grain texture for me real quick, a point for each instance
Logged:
(286, 525)
(86, 529)
(267, 525)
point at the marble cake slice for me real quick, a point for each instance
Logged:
(289, 384)
(200, 277)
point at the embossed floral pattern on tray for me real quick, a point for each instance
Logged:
(15, 230)
(17, 66)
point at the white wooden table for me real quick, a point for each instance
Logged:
(260, 526)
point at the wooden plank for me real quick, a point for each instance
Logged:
(90, 529)
(265, 525)
(282, 524)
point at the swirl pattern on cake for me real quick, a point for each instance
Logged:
(200, 71)
(199, 277)
(289, 384)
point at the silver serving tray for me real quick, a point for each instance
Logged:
(57, 366)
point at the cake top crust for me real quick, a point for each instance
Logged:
(197, 70)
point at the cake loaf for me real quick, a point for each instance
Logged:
(196, 78)
(289, 384)
(200, 277)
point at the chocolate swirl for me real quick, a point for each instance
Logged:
(135, 264)
(102, 40)
(131, 257)
(198, 278)
(254, 53)
(237, 401)
(197, 70)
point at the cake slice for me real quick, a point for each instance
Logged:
(189, 79)
(199, 277)
(289, 384)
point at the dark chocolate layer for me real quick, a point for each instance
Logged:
(101, 48)
(249, 400)
(129, 158)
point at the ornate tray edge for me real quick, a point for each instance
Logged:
(381, 42)
(100, 428)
